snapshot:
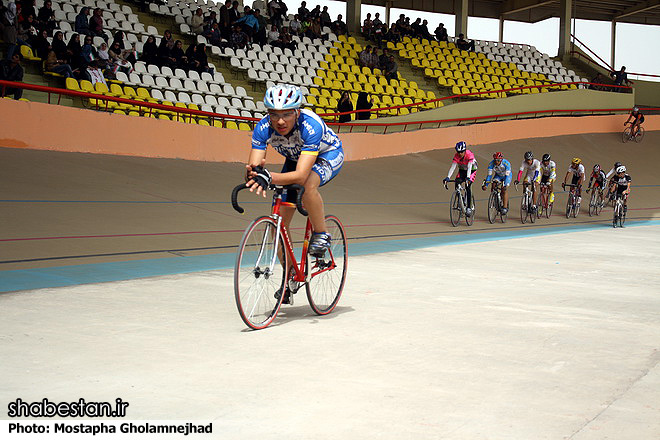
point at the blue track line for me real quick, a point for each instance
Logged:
(28, 279)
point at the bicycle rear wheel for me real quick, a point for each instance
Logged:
(469, 219)
(640, 135)
(625, 137)
(328, 274)
(492, 207)
(259, 273)
(455, 210)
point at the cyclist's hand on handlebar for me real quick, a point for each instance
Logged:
(483, 187)
(445, 180)
(517, 182)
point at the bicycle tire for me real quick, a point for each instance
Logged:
(640, 135)
(599, 203)
(469, 219)
(523, 208)
(626, 135)
(503, 217)
(576, 206)
(569, 205)
(617, 209)
(492, 207)
(455, 209)
(325, 288)
(593, 203)
(548, 210)
(622, 216)
(255, 290)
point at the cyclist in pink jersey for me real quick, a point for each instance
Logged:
(467, 170)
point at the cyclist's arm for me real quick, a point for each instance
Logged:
(451, 170)
(609, 173)
(522, 167)
(591, 179)
(489, 174)
(628, 120)
(301, 173)
(508, 174)
(567, 174)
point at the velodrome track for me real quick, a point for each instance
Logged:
(544, 331)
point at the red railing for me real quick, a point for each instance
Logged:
(339, 126)
(603, 64)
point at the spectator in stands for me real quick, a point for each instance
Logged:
(56, 65)
(363, 103)
(96, 25)
(424, 31)
(416, 27)
(344, 105)
(366, 27)
(209, 20)
(383, 59)
(238, 39)
(441, 33)
(213, 35)
(118, 59)
(10, 28)
(393, 34)
(364, 58)
(286, 40)
(74, 49)
(191, 56)
(202, 59)
(284, 10)
(165, 50)
(620, 77)
(249, 23)
(119, 38)
(150, 51)
(275, 13)
(303, 12)
(295, 25)
(273, 35)
(41, 45)
(197, 22)
(463, 44)
(374, 59)
(401, 24)
(315, 13)
(391, 71)
(46, 17)
(95, 74)
(27, 32)
(314, 30)
(261, 37)
(11, 70)
(103, 60)
(376, 21)
(325, 17)
(225, 24)
(339, 26)
(82, 22)
(179, 55)
(88, 51)
(59, 47)
(28, 8)
(597, 81)
(234, 13)
(304, 25)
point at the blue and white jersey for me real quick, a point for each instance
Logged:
(310, 136)
(503, 171)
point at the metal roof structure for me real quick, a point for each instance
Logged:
(532, 11)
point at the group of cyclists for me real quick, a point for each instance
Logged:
(535, 172)
(314, 156)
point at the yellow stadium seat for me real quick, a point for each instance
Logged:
(119, 112)
(72, 84)
(244, 126)
(231, 125)
(115, 89)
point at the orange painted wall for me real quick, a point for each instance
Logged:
(48, 127)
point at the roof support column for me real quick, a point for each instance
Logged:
(501, 36)
(353, 11)
(565, 15)
(612, 60)
(388, 6)
(461, 13)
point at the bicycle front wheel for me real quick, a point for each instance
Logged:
(455, 209)
(524, 203)
(625, 137)
(593, 203)
(599, 203)
(260, 273)
(640, 135)
(569, 205)
(492, 207)
(469, 219)
(328, 274)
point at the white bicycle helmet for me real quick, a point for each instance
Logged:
(621, 169)
(283, 97)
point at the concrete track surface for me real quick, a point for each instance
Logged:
(504, 331)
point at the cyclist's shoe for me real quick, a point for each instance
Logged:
(468, 212)
(287, 295)
(625, 210)
(505, 211)
(319, 243)
(533, 209)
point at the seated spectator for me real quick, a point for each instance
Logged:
(96, 24)
(88, 51)
(165, 50)
(363, 103)
(597, 82)
(261, 37)
(11, 70)
(27, 32)
(202, 59)
(46, 17)
(383, 59)
(339, 26)
(325, 17)
(393, 34)
(273, 35)
(344, 105)
(303, 12)
(286, 40)
(463, 44)
(103, 57)
(41, 45)
(314, 30)
(424, 31)
(150, 51)
(119, 38)
(94, 73)
(28, 8)
(441, 33)
(213, 35)
(82, 22)
(118, 60)
(74, 49)
(304, 25)
(53, 64)
(59, 47)
(210, 20)
(191, 56)
(391, 71)
(239, 39)
(179, 55)
(295, 25)
(374, 60)
(364, 57)
(377, 32)
(197, 22)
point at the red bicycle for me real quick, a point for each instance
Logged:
(266, 268)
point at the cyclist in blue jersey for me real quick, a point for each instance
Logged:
(313, 153)
(500, 169)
